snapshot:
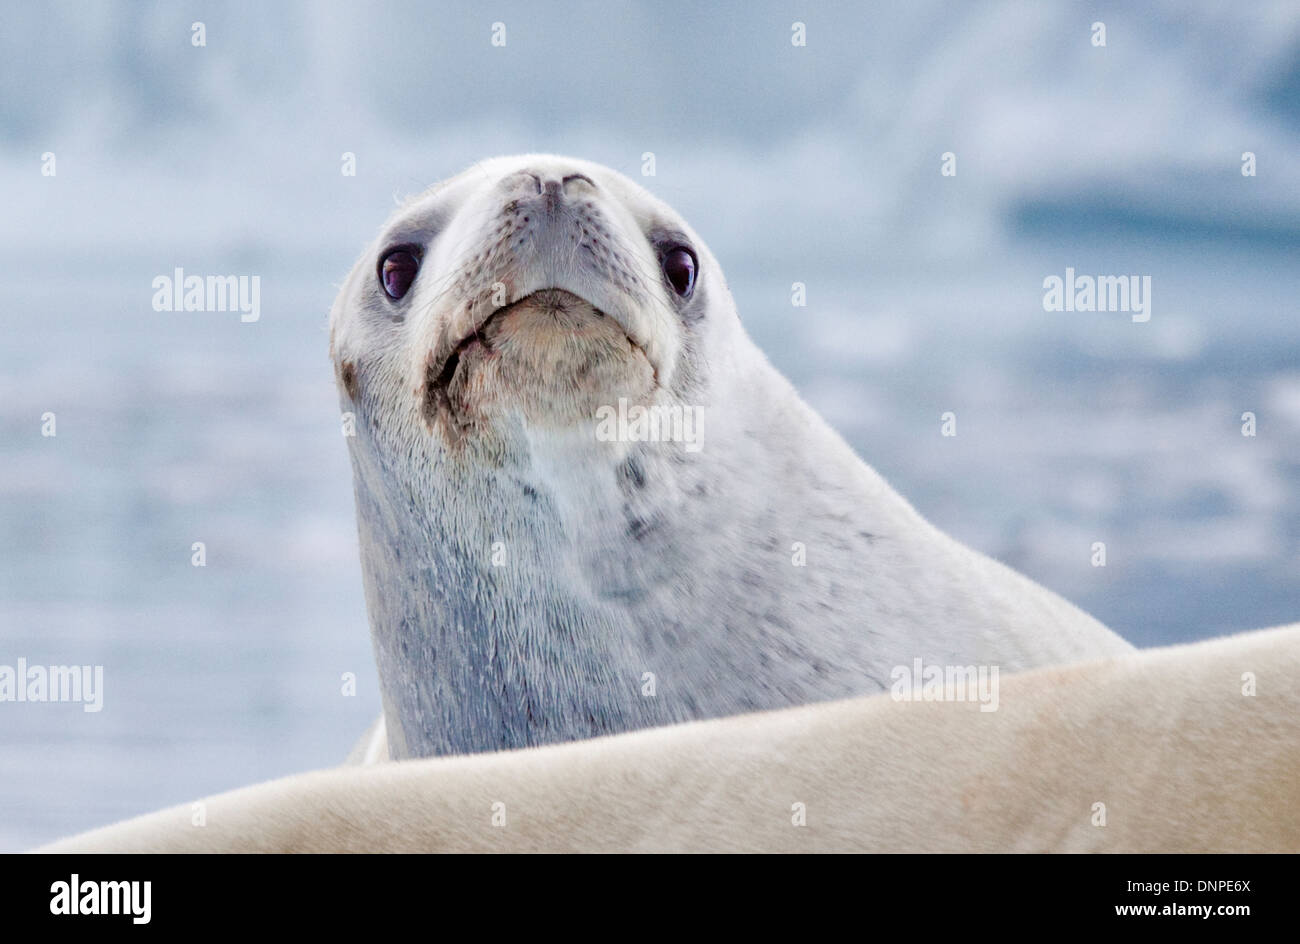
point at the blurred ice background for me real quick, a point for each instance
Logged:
(817, 164)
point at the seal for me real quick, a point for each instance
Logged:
(587, 503)
(1159, 740)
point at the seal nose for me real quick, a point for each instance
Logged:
(550, 186)
(553, 184)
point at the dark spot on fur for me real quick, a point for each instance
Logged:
(774, 618)
(638, 528)
(632, 472)
(348, 374)
(530, 492)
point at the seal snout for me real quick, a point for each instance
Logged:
(552, 354)
(547, 194)
(540, 297)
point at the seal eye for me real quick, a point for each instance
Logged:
(680, 266)
(397, 272)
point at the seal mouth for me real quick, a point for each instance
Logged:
(548, 299)
(441, 373)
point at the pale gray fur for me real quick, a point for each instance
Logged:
(623, 559)
(1163, 738)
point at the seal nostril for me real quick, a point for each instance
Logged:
(565, 181)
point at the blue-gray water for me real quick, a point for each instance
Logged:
(817, 164)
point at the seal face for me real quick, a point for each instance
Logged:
(552, 549)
